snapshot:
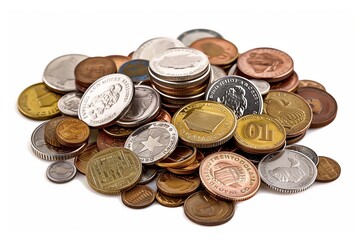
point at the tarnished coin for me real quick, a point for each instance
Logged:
(169, 201)
(38, 102)
(83, 158)
(106, 141)
(306, 151)
(291, 110)
(153, 142)
(177, 186)
(143, 108)
(69, 103)
(287, 171)
(192, 35)
(137, 70)
(140, 196)
(50, 131)
(262, 85)
(59, 73)
(61, 172)
(148, 174)
(328, 169)
(204, 209)
(113, 170)
(310, 83)
(204, 124)
(238, 93)
(229, 176)
(106, 100)
(289, 84)
(119, 60)
(72, 132)
(323, 105)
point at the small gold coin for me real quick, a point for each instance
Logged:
(72, 132)
(204, 124)
(259, 133)
(38, 102)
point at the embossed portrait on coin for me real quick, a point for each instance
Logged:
(228, 175)
(293, 173)
(234, 97)
(215, 51)
(315, 105)
(140, 103)
(180, 61)
(263, 62)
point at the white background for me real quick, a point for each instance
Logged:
(322, 37)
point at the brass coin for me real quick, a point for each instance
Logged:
(204, 209)
(113, 170)
(204, 124)
(311, 83)
(328, 169)
(191, 168)
(177, 186)
(140, 196)
(38, 102)
(292, 140)
(182, 156)
(72, 132)
(105, 141)
(82, 160)
(169, 201)
(290, 110)
(50, 131)
(117, 131)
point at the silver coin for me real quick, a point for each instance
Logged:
(61, 172)
(48, 152)
(144, 107)
(59, 73)
(217, 73)
(262, 85)
(192, 35)
(232, 70)
(287, 171)
(238, 93)
(153, 142)
(148, 174)
(305, 150)
(155, 45)
(106, 100)
(69, 103)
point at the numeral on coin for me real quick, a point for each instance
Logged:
(259, 131)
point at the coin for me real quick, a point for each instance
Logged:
(217, 73)
(38, 102)
(83, 158)
(137, 70)
(106, 141)
(192, 35)
(323, 105)
(310, 83)
(119, 60)
(106, 100)
(289, 84)
(261, 85)
(140, 196)
(163, 116)
(266, 63)
(50, 131)
(153, 142)
(113, 170)
(229, 176)
(287, 171)
(204, 124)
(190, 169)
(61, 172)
(148, 174)
(306, 151)
(117, 131)
(59, 73)
(72, 132)
(204, 209)
(328, 169)
(238, 93)
(177, 186)
(182, 156)
(169, 201)
(292, 140)
(69, 103)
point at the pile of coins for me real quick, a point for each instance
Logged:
(209, 124)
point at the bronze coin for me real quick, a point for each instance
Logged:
(105, 141)
(177, 186)
(117, 131)
(310, 83)
(292, 140)
(323, 105)
(119, 60)
(191, 168)
(182, 156)
(163, 116)
(204, 209)
(169, 201)
(289, 84)
(328, 169)
(140, 196)
(50, 131)
(82, 160)
(72, 132)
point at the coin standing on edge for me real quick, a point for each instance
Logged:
(61, 172)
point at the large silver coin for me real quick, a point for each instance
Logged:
(106, 100)
(59, 73)
(153, 142)
(305, 150)
(144, 107)
(192, 35)
(287, 171)
(69, 103)
(155, 45)
(238, 93)
(61, 172)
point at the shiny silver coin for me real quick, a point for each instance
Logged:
(61, 172)
(59, 73)
(232, 70)
(217, 73)
(153, 142)
(305, 150)
(155, 45)
(262, 86)
(46, 151)
(192, 35)
(287, 171)
(144, 107)
(69, 103)
(148, 174)
(107, 99)
(238, 93)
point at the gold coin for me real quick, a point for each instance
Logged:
(204, 124)
(259, 133)
(38, 102)
(72, 132)
(290, 110)
(81, 161)
(113, 170)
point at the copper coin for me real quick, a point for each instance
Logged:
(163, 116)
(310, 83)
(169, 201)
(72, 132)
(218, 50)
(323, 105)
(328, 169)
(191, 168)
(292, 140)
(289, 84)
(204, 209)
(50, 131)
(140, 196)
(105, 141)
(266, 63)
(119, 60)
(177, 186)
(182, 156)
(82, 160)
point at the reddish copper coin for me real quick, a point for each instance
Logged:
(119, 60)
(288, 84)
(266, 63)
(163, 116)
(140, 196)
(328, 169)
(310, 83)
(105, 141)
(84, 157)
(323, 105)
